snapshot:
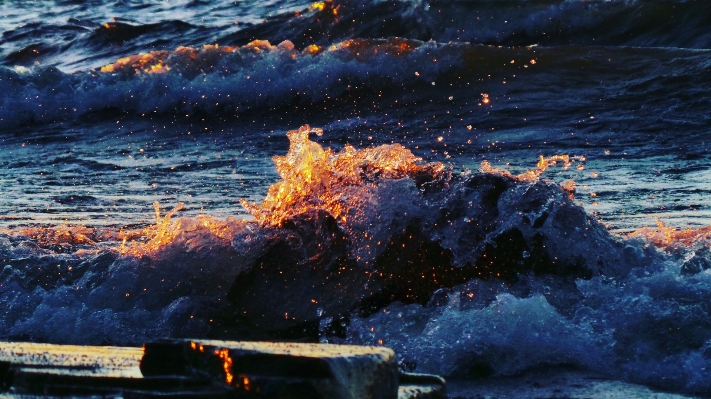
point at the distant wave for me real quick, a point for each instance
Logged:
(219, 80)
(77, 44)
(642, 23)
(232, 83)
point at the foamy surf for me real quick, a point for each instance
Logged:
(464, 275)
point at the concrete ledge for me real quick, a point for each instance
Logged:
(273, 369)
(210, 369)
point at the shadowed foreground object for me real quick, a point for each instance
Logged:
(211, 369)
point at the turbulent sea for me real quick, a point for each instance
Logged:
(487, 187)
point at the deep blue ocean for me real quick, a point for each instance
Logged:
(418, 229)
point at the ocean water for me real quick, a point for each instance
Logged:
(487, 187)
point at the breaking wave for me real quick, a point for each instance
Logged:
(76, 38)
(324, 55)
(642, 23)
(463, 274)
(224, 81)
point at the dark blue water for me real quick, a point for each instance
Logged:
(110, 106)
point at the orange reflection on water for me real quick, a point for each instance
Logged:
(162, 233)
(224, 354)
(362, 49)
(152, 239)
(63, 235)
(182, 57)
(325, 7)
(318, 6)
(147, 63)
(533, 174)
(313, 49)
(314, 178)
(197, 232)
(206, 57)
(667, 237)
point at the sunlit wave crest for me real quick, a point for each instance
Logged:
(341, 183)
(314, 178)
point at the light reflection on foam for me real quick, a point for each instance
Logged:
(311, 178)
(314, 178)
(161, 234)
(187, 57)
(151, 240)
(69, 235)
(137, 242)
(340, 183)
(206, 57)
(534, 174)
(670, 238)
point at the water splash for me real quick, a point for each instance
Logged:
(670, 238)
(339, 183)
(535, 174)
(203, 230)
